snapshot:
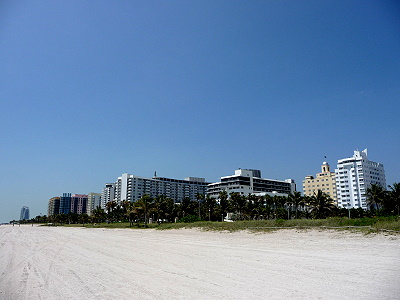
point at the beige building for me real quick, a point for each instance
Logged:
(54, 206)
(324, 181)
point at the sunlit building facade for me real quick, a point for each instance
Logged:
(93, 201)
(132, 188)
(54, 206)
(324, 181)
(79, 203)
(354, 176)
(107, 195)
(249, 181)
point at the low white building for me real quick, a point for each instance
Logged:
(249, 181)
(354, 176)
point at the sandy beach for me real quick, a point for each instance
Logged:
(78, 263)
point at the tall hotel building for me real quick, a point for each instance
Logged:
(24, 213)
(249, 181)
(107, 195)
(354, 176)
(324, 181)
(79, 204)
(132, 188)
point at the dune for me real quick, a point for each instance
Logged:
(78, 263)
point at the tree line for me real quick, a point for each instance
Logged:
(233, 206)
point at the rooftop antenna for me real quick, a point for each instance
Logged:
(155, 173)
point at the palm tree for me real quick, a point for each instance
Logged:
(375, 196)
(99, 215)
(145, 203)
(162, 207)
(131, 213)
(223, 202)
(186, 206)
(252, 207)
(125, 205)
(210, 203)
(168, 208)
(238, 202)
(321, 205)
(279, 203)
(199, 197)
(110, 206)
(295, 199)
(83, 218)
(269, 202)
(394, 194)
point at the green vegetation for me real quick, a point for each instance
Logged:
(189, 219)
(388, 223)
(366, 225)
(243, 212)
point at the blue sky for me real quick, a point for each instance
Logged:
(92, 89)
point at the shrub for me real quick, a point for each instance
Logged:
(189, 219)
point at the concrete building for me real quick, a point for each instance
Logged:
(324, 181)
(354, 176)
(24, 213)
(107, 195)
(249, 181)
(130, 187)
(54, 206)
(94, 201)
(79, 203)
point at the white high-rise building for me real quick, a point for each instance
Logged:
(107, 195)
(132, 188)
(354, 176)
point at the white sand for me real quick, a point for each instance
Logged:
(77, 263)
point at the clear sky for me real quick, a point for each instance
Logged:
(92, 89)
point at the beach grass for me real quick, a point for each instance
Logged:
(366, 224)
(375, 224)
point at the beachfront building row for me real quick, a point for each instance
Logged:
(348, 185)
(131, 188)
(245, 181)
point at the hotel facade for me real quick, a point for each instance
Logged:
(324, 181)
(354, 176)
(249, 181)
(131, 188)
